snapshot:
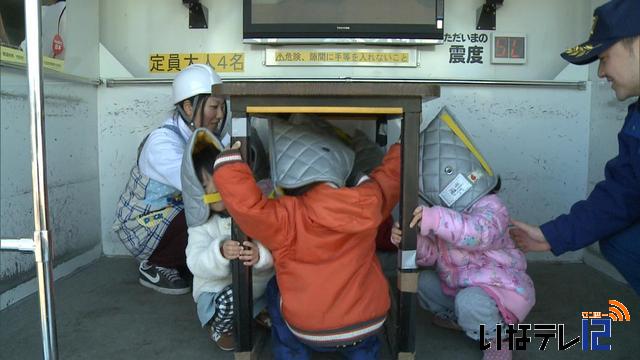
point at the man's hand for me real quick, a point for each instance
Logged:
(528, 238)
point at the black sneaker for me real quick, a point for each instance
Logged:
(161, 279)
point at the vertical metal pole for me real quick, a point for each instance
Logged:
(42, 244)
(407, 272)
(241, 274)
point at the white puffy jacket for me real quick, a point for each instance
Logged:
(211, 271)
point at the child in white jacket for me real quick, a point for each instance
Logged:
(210, 250)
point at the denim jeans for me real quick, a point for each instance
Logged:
(286, 346)
(469, 308)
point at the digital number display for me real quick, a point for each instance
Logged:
(509, 49)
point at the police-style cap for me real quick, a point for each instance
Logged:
(612, 22)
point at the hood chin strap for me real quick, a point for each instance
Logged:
(195, 106)
(211, 198)
(185, 118)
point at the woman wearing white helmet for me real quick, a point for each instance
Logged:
(193, 100)
(150, 219)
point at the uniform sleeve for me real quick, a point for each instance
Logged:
(204, 257)
(258, 217)
(161, 157)
(613, 205)
(480, 229)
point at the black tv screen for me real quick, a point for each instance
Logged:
(343, 21)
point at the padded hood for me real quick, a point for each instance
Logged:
(305, 150)
(195, 209)
(368, 156)
(453, 172)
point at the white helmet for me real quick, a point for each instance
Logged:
(193, 80)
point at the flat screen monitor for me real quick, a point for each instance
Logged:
(343, 21)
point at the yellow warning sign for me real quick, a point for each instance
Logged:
(338, 57)
(343, 56)
(16, 56)
(221, 62)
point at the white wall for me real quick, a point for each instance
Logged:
(72, 170)
(82, 34)
(132, 30)
(542, 140)
(126, 116)
(70, 110)
(537, 139)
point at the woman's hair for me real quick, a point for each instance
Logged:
(204, 160)
(197, 101)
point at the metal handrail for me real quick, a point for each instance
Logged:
(23, 245)
(41, 244)
(56, 75)
(580, 85)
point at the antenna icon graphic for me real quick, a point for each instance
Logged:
(618, 312)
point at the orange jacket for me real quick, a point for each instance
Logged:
(323, 244)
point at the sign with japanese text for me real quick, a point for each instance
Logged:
(174, 62)
(341, 57)
(17, 56)
(596, 331)
(466, 48)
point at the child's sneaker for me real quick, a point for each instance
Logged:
(225, 341)
(161, 279)
(445, 323)
(493, 353)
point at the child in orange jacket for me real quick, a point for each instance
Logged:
(334, 296)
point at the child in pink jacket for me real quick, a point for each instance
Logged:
(480, 275)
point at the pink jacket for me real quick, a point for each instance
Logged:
(473, 248)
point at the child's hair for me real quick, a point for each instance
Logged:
(204, 160)
(497, 187)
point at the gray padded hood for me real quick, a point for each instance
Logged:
(368, 154)
(195, 209)
(304, 150)
(451, 174)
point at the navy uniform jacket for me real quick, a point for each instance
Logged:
(613, 205)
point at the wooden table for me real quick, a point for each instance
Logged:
(378, 100)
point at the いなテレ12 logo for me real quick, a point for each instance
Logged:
(596, 325)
